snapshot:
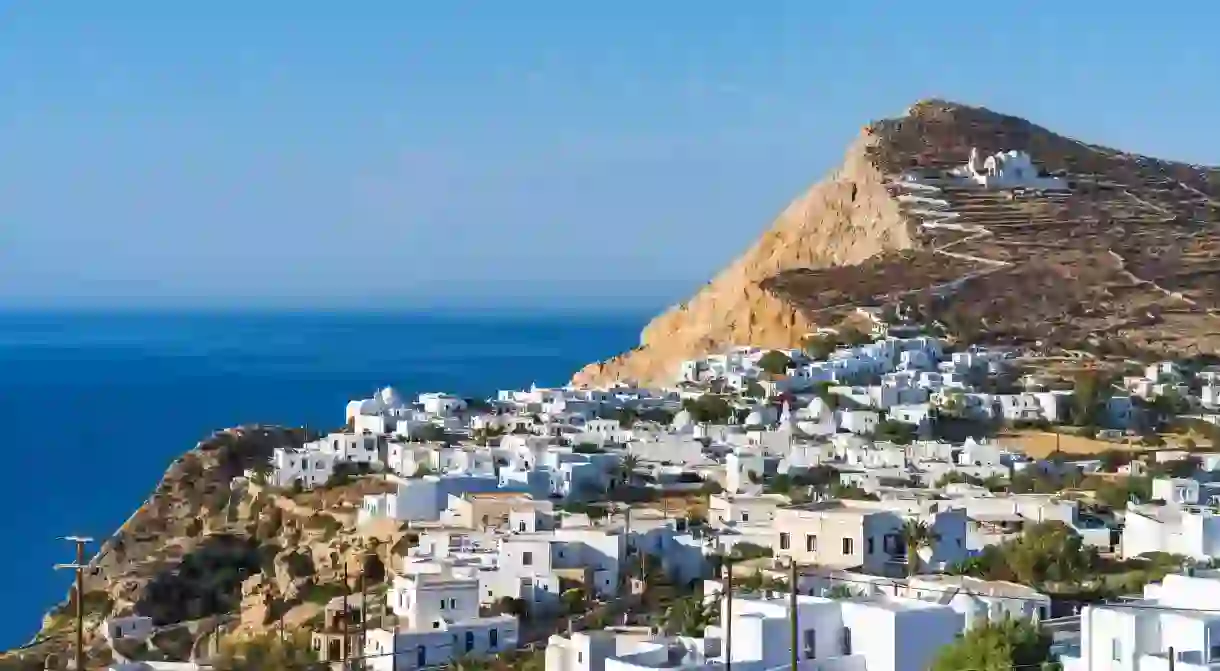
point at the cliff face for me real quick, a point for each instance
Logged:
(845, 219)
(1125, 254)
(209, 550)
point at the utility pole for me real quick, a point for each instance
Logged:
(79, 567)
(793, 617)
(364, 616)
(630, 554)
(347, 617)
(727, 615)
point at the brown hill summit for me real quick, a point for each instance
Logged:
(1124, 254)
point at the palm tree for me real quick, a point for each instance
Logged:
(690, 616)
(916, 535)
(627, 468)
(839, 592)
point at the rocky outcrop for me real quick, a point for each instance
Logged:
(207, 545)
(845, 219)
(1024, 266)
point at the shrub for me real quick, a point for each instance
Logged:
(745, 550)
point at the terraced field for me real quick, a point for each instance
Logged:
(1130, 250)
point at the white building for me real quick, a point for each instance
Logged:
(1007, 170)
(868, 534)
(1185, 530)
(307, 468)
(877, 634)
(129, 628)
(360, 448)
(438, 621)
(1178, 614)
(980, 601)
(423, 499)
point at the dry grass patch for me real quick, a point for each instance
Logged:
(1041, 444)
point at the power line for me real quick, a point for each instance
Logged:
(893, 582)
(79, 591)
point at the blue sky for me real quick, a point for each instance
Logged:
(529, 153)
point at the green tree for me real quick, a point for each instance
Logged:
(819, 346)
(952, 477)
(1050, 552)
(574, 600)
(690, 615)
(996, 646)
(1116, 493)
(899, 433)
(839, 490)
(1178, 468)
(1090, 390)
(1112, 460)
(755, 390)
(775, 362)
(840, 592)
(917, 535)
(627, 468)
(709, 408)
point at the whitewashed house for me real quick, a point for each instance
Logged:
(423, 499)
(357, 448)
(980, 601)
(848, 534)
(438, 621)
(860, 422)
(1178, 615)
(303, 467)
(1175, 529)
(1176, 491)
(135, 628)
(879, 634)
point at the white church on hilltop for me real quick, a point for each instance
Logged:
(1007, 169)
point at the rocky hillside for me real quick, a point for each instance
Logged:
(1126, 255)
(209, 550)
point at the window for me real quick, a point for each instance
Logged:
(811, 643)
(870, 545)
(527, 558)
(493, 638)
(469, 641)
(845, 641)
(745, 516)
(521, 526)
(442, 604)
(783, 541)
(453, 603)
(849, 547)
(811, 543)
(1116, 649)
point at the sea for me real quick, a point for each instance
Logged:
(95, 405)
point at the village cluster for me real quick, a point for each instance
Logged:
(823, 458)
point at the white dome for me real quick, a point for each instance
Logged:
(754, 419)
(816, 407)
(389, 398)
(682, 419)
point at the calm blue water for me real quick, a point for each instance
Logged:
(96, 405)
